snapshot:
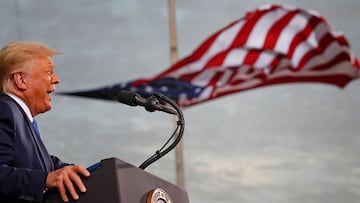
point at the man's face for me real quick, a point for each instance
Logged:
(41, 83)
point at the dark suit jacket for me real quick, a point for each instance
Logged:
(24, 160)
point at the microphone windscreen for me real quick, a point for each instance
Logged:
(127, 97)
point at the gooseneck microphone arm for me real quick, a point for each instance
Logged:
(156, 102)
(177, 134)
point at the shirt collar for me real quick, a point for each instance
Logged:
(22, 104)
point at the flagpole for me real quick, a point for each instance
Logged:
(180, 180)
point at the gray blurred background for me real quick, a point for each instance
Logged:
(286, 143)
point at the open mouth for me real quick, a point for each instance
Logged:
(50, 92)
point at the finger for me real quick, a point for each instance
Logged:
(78, 182)
(83, 171)
(70, 187)
(62, 192)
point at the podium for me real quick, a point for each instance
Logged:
(115, 181)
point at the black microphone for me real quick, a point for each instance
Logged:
(151, 103)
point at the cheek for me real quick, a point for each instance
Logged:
(44, 83)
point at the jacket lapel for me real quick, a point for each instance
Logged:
(41, 149)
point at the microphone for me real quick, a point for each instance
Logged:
(151, 103)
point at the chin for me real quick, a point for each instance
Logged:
(47, 108)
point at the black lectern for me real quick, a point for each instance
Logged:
(116, 181)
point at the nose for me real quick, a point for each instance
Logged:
(55, 79)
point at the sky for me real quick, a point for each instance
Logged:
(286, 143)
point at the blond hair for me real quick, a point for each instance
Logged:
(15, 57)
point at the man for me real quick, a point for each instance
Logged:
(27, 78)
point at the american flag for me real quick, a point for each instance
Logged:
(271, 45)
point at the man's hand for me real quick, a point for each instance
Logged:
(66, 179)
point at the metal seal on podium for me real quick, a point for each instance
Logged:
(158, 195)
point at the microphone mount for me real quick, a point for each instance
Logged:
(156, 102)
(178, 132)
(151, 104)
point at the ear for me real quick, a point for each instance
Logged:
(20, 80)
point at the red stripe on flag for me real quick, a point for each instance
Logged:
(244, 33)
(276, 30)
(303, 35)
